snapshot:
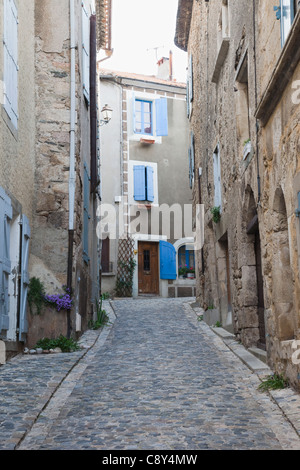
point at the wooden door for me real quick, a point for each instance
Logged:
(148, 268)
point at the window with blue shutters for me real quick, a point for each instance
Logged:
(86, 215)
(10, 52)
(167, 261)
(143, 117)
(150, 117)
(143, 183)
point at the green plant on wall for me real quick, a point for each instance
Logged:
(36, 296)
(216, 213)
(102, 317)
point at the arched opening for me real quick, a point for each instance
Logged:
(281, 270)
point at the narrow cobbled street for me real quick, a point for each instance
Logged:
(155, 378)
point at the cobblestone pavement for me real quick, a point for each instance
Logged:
(155, 378)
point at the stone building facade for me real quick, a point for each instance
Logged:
(148, 133)
(243, 107)
(49, 164)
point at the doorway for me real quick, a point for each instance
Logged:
(148, 282)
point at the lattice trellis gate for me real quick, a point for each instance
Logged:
(126, 266)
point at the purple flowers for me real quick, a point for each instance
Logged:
(61, 302)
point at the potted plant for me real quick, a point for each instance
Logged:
(182, 271)
(190, 273)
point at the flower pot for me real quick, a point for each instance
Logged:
(190, 275)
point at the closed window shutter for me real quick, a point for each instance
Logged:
(162, 117)
(150, 183)
(5, 263)
(139, 176)
(85, 52)
(86, 215)
(25, 237)
(10, 51)
(167, 257)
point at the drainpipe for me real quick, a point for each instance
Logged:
(72, 175)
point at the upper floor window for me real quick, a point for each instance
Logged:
(85, 21)
(10, 74)
(143, 117)
(286, 12)
(149, 119)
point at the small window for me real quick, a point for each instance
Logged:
(147, 260)
(186, 260)
(143, 117)
(150, 117)
(286, 13)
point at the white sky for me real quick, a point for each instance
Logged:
(139, 26)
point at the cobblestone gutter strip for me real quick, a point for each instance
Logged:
(31, 387)
(287, 400)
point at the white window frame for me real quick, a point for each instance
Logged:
(144, 96)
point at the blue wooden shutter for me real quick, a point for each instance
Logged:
(5, 263)
(23, 329)
(86, 216)
(150, 183)
(139, 175)
(10, 50)
(161, 117)
(167, 259)
(85, 51)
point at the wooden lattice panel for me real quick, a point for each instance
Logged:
(125, 267)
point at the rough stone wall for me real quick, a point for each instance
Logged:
(49, 259)
(279, 148)
(222, 115)
(17, 146)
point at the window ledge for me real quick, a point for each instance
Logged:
(220, 59)
(283, 71)
(147, 141)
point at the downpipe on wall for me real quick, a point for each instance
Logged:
(72, 176)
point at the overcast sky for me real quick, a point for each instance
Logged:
(140, 26)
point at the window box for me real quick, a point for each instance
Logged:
(147, 141)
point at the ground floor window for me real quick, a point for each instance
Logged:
(186, 261)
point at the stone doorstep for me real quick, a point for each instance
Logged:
(248, 356)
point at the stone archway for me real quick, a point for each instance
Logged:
(282, 291)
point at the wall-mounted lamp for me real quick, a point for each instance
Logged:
(106, 112)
